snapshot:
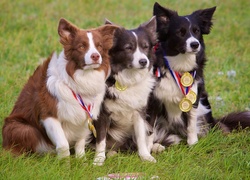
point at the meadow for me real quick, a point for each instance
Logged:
(28, 34)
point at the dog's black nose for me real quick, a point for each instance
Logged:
(194, 45)
(143, 62)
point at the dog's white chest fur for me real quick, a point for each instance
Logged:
(130, 101)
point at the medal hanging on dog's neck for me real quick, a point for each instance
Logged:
(119, 87)
(88, 111)
(184, 83)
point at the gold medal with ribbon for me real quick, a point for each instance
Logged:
(91, 127)
(191, 96)
(185, 83)
(119, 87)
(187, 79)
(185, 105)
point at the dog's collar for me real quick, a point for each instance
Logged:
(157, 72)
(88, 109)
(112, 82)
(156, 46)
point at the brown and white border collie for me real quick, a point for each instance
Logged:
(55, 106)
(123, 117)
(181, 51)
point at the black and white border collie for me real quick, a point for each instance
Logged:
(54, 110)
(181, 52)
(123, 117)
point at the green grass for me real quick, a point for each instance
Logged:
(29, 34)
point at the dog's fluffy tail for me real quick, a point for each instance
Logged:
(234, 121)
(21, 138)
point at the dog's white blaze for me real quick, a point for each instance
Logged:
(92, 49)
(138, 55)
(190, 40)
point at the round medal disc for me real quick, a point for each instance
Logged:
(185, 105)
(91, 127)
(119, 87)
(187, 79)
(191, 96)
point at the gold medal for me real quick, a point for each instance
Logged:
(185, 105)
(119, 87)
(91, 127)
(187, 79)
(191, 96)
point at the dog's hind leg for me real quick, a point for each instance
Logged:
(157, 148)
(22, 138)
(154, 147)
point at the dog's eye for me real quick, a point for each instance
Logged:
(82, 47)
(181, 32)
(196, 31)
(145, 46)
(128, 47)
(99, 46)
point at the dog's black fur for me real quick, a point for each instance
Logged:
(122, 122)
(181, 40)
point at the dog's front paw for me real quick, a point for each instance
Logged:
(158, 148)
(192, 141)
(62, 152)
(99, 161)
(148, 158)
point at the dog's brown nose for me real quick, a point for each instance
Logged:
(95, 56)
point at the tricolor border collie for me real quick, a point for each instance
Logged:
(123, 118)
(180, 103)
(57, 105)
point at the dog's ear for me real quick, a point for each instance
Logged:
(108, 22)
(151, 27)
(66, 30)
(163, 14)
(205, 19)
(107, 32)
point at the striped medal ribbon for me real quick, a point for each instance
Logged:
(88, 109)
(190, 97)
